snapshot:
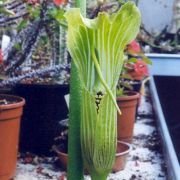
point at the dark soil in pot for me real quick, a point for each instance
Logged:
(45, 108)
(168, 88)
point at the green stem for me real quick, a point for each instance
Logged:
(96, 176)
(75, 162)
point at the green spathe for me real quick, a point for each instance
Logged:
(97, 48)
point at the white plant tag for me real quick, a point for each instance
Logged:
(5, 43)
(67, 100)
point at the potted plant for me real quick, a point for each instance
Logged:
(134, 72)
(135, 69)
(11, 109)
(96, 47)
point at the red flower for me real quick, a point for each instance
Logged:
(138, 70)
(58, 2)
(1, 56)
(134, 47)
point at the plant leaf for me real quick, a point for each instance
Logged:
(109, 35)
(97, 48)
(22, 24)
(132, 60)
(105, 136)
(6, 11)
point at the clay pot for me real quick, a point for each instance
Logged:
(125, 121)
(122, 153)
(10, 115)
(63, 156)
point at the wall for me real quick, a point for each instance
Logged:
(156, 14)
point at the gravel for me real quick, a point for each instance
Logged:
(145, 162)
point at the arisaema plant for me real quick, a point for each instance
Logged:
(97, 47)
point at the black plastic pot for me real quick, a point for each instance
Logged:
(45, 108)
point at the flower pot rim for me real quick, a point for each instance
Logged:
(21, 102)
(130, 95)
(59, 151)
(124, 152)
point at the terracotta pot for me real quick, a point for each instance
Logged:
(125, 121)
(63, 157)
(10, 115)
(122, 153)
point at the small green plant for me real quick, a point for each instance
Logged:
(97, 48)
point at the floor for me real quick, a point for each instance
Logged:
(145, 161)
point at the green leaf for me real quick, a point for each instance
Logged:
(108, 35)
(36, 13)
(56, 13)
(22, 24)
(6, 11)
(125, 76)
(97, 48)
(105, 136)
(18, 46)
(132, 60)
(147, 60)
(119, 92)
(88, 124)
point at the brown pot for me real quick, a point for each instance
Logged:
(63, 157)
(125, 121)
(122, 153)
(10, 115)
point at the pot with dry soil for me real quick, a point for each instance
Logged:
(11, 108)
